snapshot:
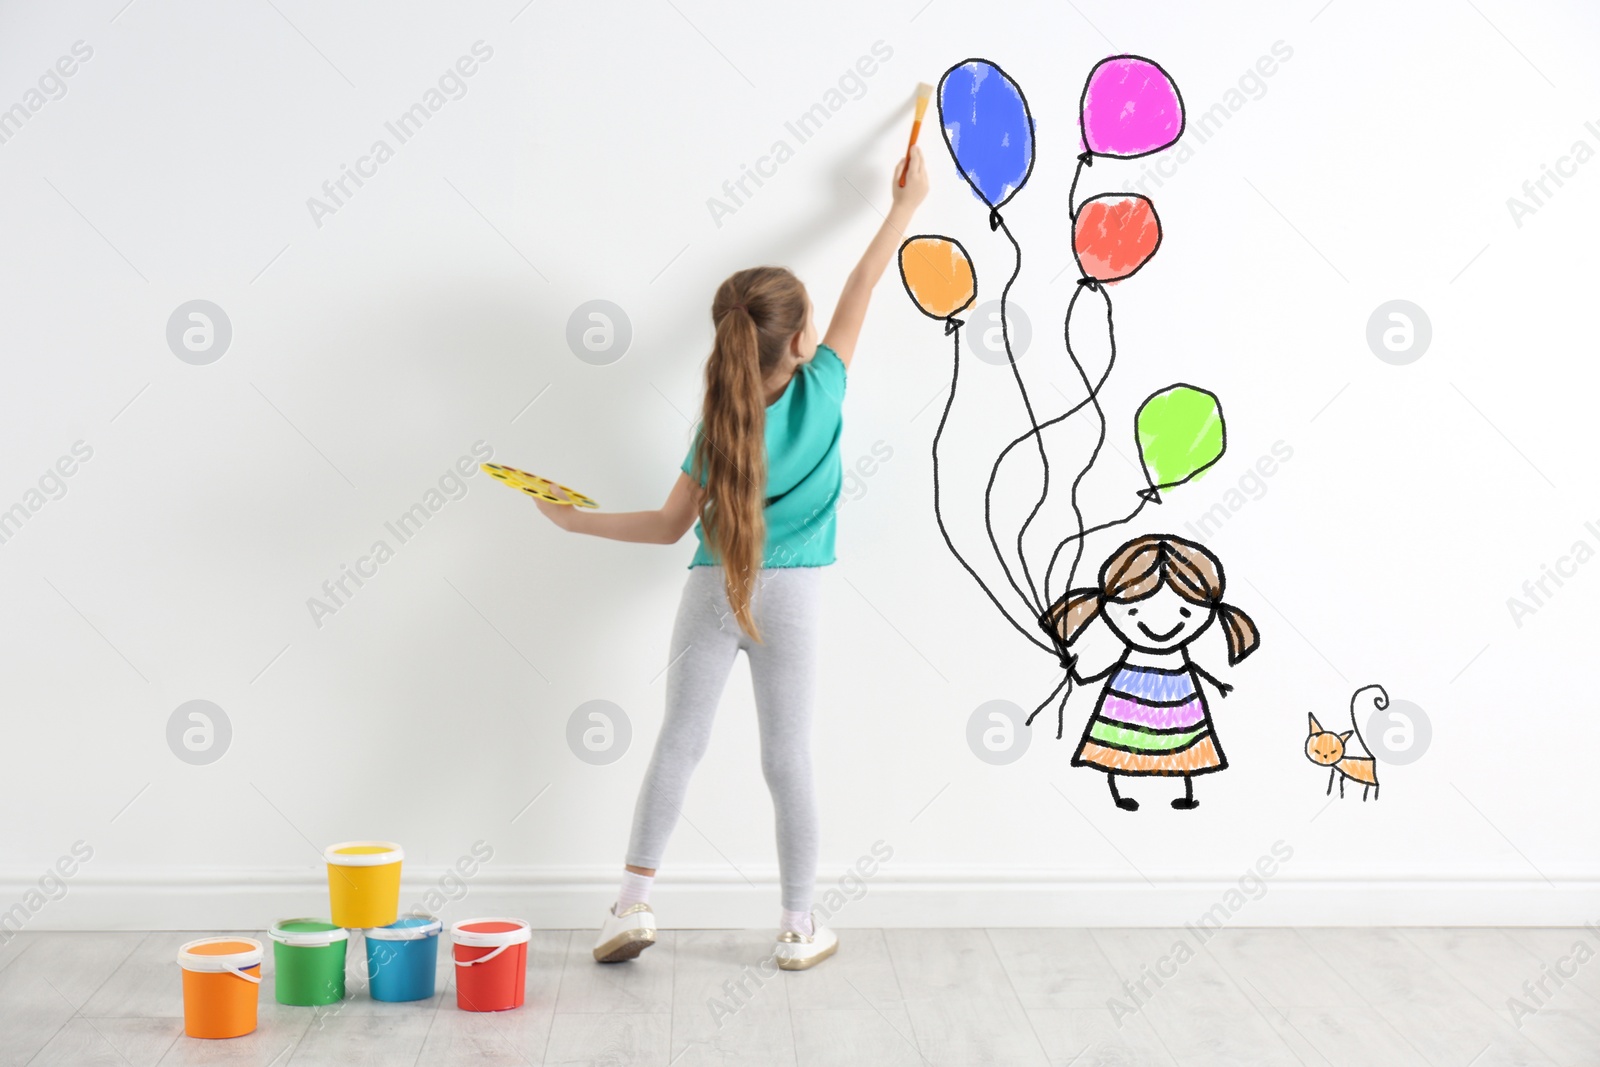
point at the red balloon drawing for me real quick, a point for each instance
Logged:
(1114, 235)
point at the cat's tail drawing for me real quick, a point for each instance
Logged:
(1380, 700)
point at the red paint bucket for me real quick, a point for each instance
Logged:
(491, 963)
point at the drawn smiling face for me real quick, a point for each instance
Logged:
(1159, 622)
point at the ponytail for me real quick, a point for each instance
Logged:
(757, 312)
(732, 460)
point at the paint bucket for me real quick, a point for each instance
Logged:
(491, 963)
(402, 958)
(308, 958)
(221, 981)
(364, 883)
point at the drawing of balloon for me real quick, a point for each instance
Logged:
(1181, 433)
(937, 273)
(1130, 108)
(988, 129)
(1114, 235)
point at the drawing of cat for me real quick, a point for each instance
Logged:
(1327, 749)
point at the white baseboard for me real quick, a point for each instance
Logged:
(897, 895)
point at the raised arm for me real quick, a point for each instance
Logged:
(845, 328)
(663, 526)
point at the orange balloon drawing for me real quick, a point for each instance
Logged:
(1115, 234)
(938, 274)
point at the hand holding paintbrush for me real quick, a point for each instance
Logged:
(924, 94)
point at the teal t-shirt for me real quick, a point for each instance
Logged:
(804, 474)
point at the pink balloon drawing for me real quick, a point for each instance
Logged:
(1130, 108)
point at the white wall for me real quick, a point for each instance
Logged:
(372, 350)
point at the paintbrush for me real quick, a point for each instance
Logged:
(924, 94)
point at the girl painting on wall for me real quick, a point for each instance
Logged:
(1157, 594)
(763, 478)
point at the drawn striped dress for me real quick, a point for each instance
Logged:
(1151, 720)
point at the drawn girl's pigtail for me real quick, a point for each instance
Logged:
(1243, 637)
(1073, 612)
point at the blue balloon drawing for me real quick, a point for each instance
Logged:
(987, 124)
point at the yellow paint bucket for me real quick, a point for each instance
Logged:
(364, 883)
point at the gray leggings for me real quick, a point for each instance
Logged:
(705, 640)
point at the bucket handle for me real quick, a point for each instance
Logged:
(247, 976)
(484, 958)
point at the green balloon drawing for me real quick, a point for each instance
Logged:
(1181, 433)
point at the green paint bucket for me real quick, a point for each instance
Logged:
(308, 956)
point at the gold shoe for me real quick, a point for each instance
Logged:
(797, 952)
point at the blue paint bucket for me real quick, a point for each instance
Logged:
(402, 958)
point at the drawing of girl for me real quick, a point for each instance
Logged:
(1157, 594)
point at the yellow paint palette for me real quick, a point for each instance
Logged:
(537, 487)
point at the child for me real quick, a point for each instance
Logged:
(1157, 594)
(763, 477)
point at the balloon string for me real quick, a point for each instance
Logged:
(1085, 159)
(1061, 708)
(1067, 414)
(1100, 440)
(1030, 597)
(1035, 432)
(1129, 517)
(953, 328)
(1092, 398)
(1044, 491)
(1046, 701)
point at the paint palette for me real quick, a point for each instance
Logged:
(537, 487)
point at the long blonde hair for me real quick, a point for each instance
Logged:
(1139, 568)
(757, 313)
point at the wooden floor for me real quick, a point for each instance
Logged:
(890, 997)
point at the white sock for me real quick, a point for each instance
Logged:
(796, 922)
(635, 890)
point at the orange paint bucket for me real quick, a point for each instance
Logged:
(221, 985)
(364, 883)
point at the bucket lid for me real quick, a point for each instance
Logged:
(220, 954)
(363, 853)
(307, 933)
(488, 933)
(411, 928)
